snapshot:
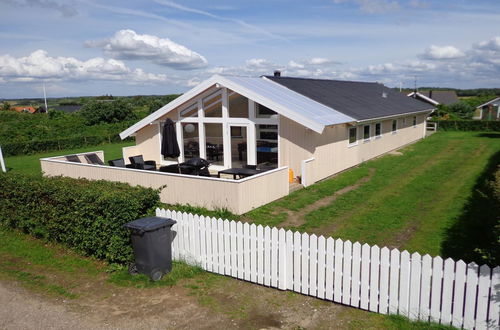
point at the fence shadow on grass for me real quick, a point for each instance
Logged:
(475, 235)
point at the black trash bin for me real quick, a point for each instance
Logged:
(152, 243)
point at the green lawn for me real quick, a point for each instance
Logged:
(30, 164)
(408, 201)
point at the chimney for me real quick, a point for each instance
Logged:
(277, 73)
(430, 94)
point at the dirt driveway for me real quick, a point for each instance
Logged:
(22, 309)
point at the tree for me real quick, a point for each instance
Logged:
(96, 112)
(6, 106)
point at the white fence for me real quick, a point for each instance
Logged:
(362, 276)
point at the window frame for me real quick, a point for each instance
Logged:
(367, 139)
(355, 143)
(379, 124)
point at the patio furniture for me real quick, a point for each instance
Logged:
(93, 159)
(141, 164)
(193, 166)
(239, 171)
(120, 162)
(73, 158)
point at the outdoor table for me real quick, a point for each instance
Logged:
(237, 171)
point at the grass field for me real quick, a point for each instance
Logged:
(30, 164)
(408, 201)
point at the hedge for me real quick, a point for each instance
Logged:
(468, 125)
(87, 216)
(36, 146)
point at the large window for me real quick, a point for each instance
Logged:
(238, 106)
(264, 112)
(191, 111)
(191, 140)
(394, 125)
(353, 132)
(267, 132)
(366, 132)
(212, 105)
(378, 129)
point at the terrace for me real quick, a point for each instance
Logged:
(238, 196)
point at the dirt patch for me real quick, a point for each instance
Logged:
(297, 218)
(396, 153)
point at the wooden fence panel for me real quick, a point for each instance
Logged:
(296, 262)
(321, 267)
(416, 271)
(384, 280)
(313, 264)
(253, 253)
(374, 278)
(458, 297)
(330, 248)
(470, 296)
(267, 256)
(274, 257)
(346, 277)
(404, 284)
(365, 276)
(337, 270)
(356, 274)
(394, 282)
(380, 280)
(437, 279)
(260, 254)
(425, 288)
(305, 264)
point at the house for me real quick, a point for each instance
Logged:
(488, 111)
(435, 98)
(307, 129)
(315, 127)
(24, 109)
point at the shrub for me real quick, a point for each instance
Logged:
(107, 112)
(469, 125)
(87, 216)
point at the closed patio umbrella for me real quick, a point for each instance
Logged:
(169, 145)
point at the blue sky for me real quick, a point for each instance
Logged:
(91, 47)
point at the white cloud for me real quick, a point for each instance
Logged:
(127, 44)
(373, 6)
(439, 53)
(40, 66)
(64, 9)
(491, 45)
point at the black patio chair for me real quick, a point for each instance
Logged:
(93, 159)
(139, 163)
(73, 158)
(120, 162)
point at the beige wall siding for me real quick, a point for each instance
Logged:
(237, 196)
(331, 149)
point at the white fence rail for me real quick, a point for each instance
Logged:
(362, 276)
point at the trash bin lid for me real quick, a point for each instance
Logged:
(150, 223)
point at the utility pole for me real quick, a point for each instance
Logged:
(45, 97)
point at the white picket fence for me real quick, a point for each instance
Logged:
(362, 276)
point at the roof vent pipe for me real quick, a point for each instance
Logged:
(384, 95)
(277, 73)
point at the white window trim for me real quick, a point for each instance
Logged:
(369, 133)
(355, 143)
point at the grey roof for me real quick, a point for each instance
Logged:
(359, 100)
(443, 97)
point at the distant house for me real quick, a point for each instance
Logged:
(24, 109)
(436, 97)
(488, 111)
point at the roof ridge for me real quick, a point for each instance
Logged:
(323, 79)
